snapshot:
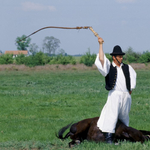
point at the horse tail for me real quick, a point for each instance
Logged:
(62, 130)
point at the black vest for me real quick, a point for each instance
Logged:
(110, 79)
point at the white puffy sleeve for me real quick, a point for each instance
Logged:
(132, 77)
(105, 68)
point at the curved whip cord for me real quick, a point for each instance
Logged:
(85, 27)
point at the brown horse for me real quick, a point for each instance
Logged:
(87, 130)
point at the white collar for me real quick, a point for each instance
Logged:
(114, 65)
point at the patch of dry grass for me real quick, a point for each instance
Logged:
(13, 67)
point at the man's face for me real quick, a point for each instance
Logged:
(119, 58)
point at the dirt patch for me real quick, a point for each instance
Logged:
(13, 67)
(140, 66)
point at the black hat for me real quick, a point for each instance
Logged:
(117, 51)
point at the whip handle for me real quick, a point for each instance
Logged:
(95, 33)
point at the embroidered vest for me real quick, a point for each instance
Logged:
(110, 79)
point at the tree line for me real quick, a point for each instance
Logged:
(88, 59)
(47, 55)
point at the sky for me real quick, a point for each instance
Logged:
(118, 22)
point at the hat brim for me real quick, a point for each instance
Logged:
(117, 54)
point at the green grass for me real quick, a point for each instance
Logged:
(34, 105)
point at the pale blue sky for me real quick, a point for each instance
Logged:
(122, 22)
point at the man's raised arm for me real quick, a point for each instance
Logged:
(101, 53)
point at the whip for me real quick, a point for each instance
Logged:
(78, 28)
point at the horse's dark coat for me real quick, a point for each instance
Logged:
(87, 130)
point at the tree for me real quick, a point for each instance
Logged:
(88, 59)
(50, 44)
(145, 57)
(33, 48)
(61, 51)
(24, 44)
(131, 56)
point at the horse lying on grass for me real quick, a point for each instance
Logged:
(87, 130)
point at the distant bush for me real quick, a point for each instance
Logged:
(38, 59)
(30, 61)
(33, 60)
(131, 56)
(6, 59)
(20, 59)
(88, 59)
(41, 58)
(145, 57)
(60, 59)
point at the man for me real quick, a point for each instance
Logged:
(120, 80)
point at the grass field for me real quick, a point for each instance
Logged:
(34, 105)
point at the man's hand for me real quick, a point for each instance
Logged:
(130, 92)
(100, 40)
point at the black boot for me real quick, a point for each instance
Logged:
(109, 138)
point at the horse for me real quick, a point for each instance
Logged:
(87, 130)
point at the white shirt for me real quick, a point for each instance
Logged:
(120, 82)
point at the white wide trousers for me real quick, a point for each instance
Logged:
(117, 107)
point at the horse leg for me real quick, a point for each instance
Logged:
(146, 134)
(128, 133)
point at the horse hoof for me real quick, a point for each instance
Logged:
(116, 143)
(71, 145)
(77, 142)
